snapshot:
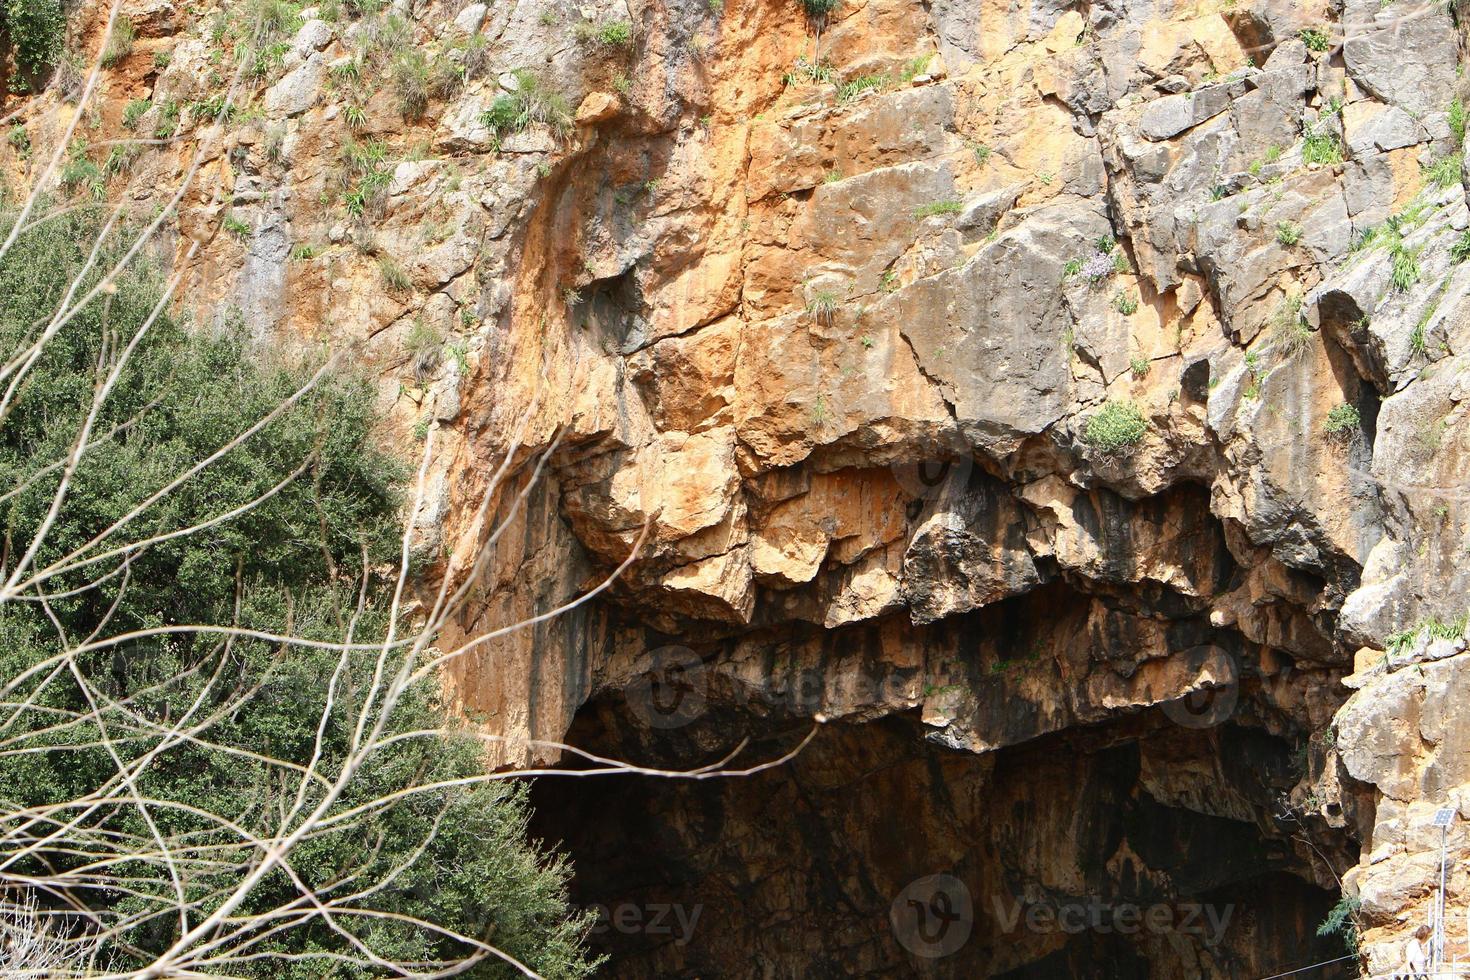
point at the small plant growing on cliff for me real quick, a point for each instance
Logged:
(915, 67)
(1433, 627)
(134, 111)
(394, 276)
(235, 226)
(822, 307)
(1405, 269)
(120, 42)
(19, 140)
(1341, 922)
(1288, 233)
(821, 413)
(818, 10)
(424, 346)
(168, 120)
(532, 102)
(1115, 428)
(850, 90)
(1318, 147)
(1456, 118)
(1444, 172)
(1139, 366)
(820, 72)
(1099, 267)
(1290, 327)
(1125, 303)
(81, 175)
(615, 34)
(1343, 421)
(934, 208)
(410, 79)
(1460, 250)
(1315, 38)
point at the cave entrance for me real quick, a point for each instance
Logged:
(1132, 849)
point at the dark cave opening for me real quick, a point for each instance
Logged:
(1130, 849)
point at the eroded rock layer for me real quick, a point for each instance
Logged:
(1060, 404)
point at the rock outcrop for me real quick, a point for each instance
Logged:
(1062, 404)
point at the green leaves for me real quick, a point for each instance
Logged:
(300, 563)
(37, 32)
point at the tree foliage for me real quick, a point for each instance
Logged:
(35, 33)
(313, 560)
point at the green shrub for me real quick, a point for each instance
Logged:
(265, 20)
(1139, 367)
(134, 111)
(168, 121)
(1405, 269)
(615, 33)
(1444, 172)
(1456, 118)
(410, 79)
(1321, 148)
(301, 561)
(81, 175)
(1288, 233)
(120, 42)
(1115, 428)
(1460, 250)
(1125, 303)
(819, 9)
(235, 226)
(532, 102)
(1316, 39)
(35, 31)
(1342, 421)
(121, 157)
(847, 91)
(19, 139)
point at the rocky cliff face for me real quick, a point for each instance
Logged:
(1059, 403)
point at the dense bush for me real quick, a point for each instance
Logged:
(298, 563)
(1115, 427)
(35, 32)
